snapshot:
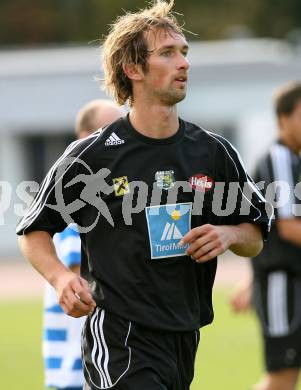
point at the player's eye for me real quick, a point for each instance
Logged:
(166, 53)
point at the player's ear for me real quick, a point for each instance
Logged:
(133, 71)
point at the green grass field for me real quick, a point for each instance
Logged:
(229, 356)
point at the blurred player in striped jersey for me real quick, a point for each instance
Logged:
(276, 287)
(62, 333)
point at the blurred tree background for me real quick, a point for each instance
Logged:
(35, 22)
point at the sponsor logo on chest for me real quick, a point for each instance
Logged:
(167, 224)
(201, 182)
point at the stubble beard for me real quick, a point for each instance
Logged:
(171, 97)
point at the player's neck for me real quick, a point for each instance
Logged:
(155, 121)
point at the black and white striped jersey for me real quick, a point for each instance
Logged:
(280, 170)
(133, 199)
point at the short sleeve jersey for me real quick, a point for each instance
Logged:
(134, 198)
(280, 170)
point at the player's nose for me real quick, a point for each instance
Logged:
(183, 62)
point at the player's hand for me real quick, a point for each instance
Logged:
(207, 241)
(74, 295)
(241, 301)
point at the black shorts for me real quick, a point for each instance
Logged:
(122, 355)
(277, 300)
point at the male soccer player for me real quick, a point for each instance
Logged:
(145, 194)
(62, 333)
(277, 270)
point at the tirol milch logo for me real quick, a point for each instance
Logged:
(167, 224)
(201, 182)
(165, 179)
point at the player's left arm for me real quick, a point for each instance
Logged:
(242, 231)
(209, 241)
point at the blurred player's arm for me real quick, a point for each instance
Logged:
(290, 230)
(73, 291)
(208, 241)
(241, 300)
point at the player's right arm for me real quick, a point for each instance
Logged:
(37, 246)
(44, 218)
(73, 291)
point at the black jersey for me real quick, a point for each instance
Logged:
(280, 170)
(133, 198)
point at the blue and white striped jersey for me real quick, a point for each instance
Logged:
(62, 333)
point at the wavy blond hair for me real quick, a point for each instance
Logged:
(126, 44)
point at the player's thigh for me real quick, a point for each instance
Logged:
(143, 380)
(119, 354)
